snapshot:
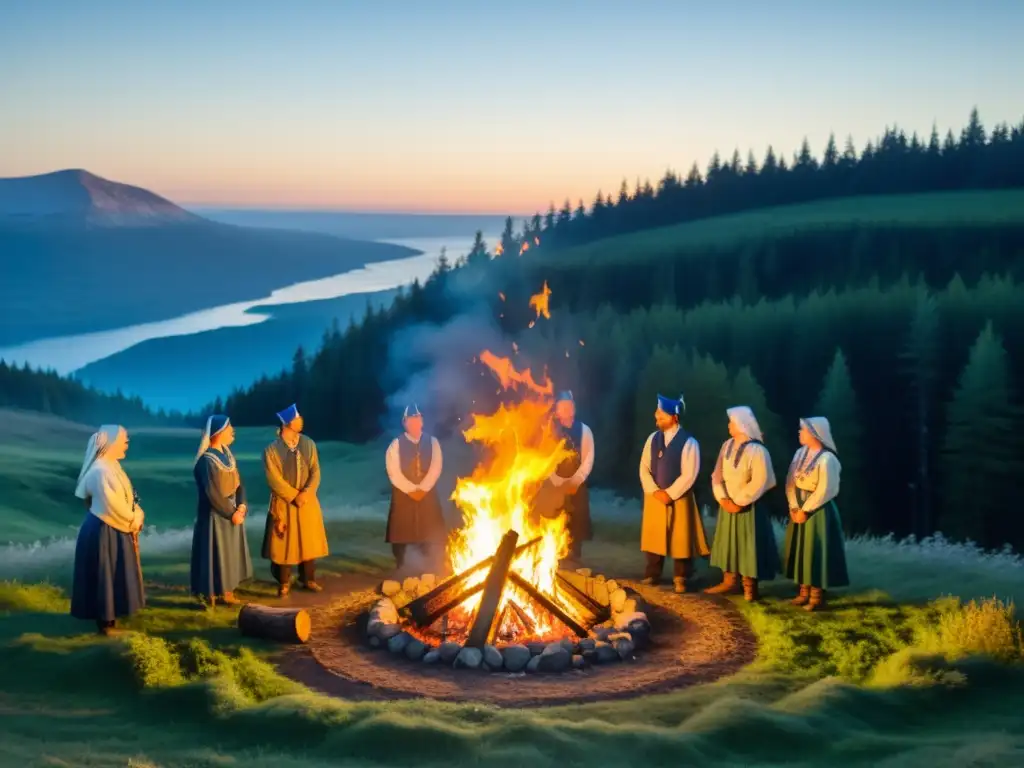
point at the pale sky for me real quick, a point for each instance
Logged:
(475, 106)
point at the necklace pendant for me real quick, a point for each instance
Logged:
(661, 454)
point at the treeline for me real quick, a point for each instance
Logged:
(891, 164)
(46, 392)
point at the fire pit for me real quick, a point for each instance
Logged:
(491, 617)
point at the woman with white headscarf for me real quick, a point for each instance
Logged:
(108, 574)
(220, 550)
(815, 551)
(744, 544)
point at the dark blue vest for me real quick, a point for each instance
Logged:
(665, 460)
(414, 458)
(573, 437)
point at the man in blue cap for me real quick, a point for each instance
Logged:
(413, 462)
(295, 533)
(571, 475)
(672, 526)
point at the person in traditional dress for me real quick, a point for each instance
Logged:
(570, 477)
(220, 550)
(295, 533)
(413, 462)
(108, 574)
(815, 551)
(744, 544)
(672, 526)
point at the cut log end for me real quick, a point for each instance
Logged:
(283, 625)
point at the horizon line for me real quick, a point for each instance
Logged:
(196, 207)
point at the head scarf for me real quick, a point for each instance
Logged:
(214, 426)
(410, 411)
(821, 429)
(288, 415)
(565, 396)
(98, 444)
(743, 417)
(670, 406)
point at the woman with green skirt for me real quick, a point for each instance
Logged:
(744, 540)
(815, 551)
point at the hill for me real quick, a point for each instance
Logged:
(64, 273)
(973, 209)
(79, 197)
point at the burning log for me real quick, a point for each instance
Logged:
(547, 604)
(583, 601)
(285, 625)
(522, 618)
(485, 625)
(425, 610)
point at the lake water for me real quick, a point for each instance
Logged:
(66, 354)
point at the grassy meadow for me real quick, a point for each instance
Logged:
(966, 209)
(917, 664)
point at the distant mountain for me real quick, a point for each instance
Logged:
(80, 254)
(79, 197)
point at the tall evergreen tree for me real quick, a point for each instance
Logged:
(838, 403)
(981, 461)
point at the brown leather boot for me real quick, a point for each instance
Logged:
(679, 585)
(749, 589)
(728, 586)
(284, 590)
(803, 596)
(816, 601)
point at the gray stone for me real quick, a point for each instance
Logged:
(376, 642)
(397, 643)
(622, 620)
(534, 664)
(384, 611)
(390, 588)
(555, 659)
(536, 649)
(606, 653)
(588, 644)
(516, 657)
(388, 631)
(578, 662)
(469, 658)
(601, 633)
(616, 636)
(590, 656)
(569, 644)
(415, 649)
(618, 599)
(432, 657)
(640, 631)
(624, 648)
(492, 658)
(449, 651)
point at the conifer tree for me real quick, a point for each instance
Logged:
(838, 403)
(980, 462)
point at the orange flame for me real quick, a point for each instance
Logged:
(524, 248)
(499, 249)
(539, 302)
(498, 497)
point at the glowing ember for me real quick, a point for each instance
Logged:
(498, 250)
(539, 302)
(524, 451)
(524, 248)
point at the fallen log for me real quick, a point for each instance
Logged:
(425, 610)
(284, 625)
(485, 625)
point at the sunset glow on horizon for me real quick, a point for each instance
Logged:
(348, 107)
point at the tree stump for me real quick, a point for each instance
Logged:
(284, 625)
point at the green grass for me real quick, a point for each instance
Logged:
(904, 670)
(962, 209)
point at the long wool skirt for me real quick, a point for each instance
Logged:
(745, 544)
(815, 551)
(108, 578)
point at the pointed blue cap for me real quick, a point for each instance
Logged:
(565, 395)
(289, 414)
(670, 406)
(411, 410)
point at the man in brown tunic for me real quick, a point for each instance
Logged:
(295, 533)
(570, 478)
(413, 462)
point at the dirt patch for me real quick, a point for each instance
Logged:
(695, 639)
